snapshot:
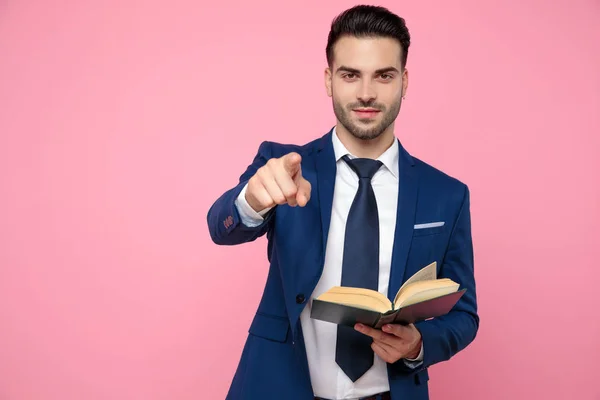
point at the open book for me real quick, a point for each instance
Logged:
(421, 297)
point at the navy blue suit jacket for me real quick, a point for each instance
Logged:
(273, 362)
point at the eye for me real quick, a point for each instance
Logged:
(349, 75)
(387, 77)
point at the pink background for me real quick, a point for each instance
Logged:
(122, 121)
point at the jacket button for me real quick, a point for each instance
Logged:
(300, 298)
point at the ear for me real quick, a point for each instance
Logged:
(328, 81)
(404, 82)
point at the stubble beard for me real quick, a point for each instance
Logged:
(343, 114)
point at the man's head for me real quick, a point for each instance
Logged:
(366, 53)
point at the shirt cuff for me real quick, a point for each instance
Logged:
(249, 217)
(414, 362)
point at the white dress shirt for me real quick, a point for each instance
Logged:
(328, 380)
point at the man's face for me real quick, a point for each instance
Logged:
(366, 83)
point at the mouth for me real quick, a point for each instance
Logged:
(366, 112)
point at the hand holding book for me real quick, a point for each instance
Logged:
(421, 297)
(393, 341)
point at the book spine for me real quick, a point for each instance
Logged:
(384, 319)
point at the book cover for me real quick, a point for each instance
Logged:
(343, 314)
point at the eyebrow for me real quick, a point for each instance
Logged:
(355, 71)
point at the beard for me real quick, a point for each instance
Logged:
(344, 115)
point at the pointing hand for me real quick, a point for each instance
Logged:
(279, 181)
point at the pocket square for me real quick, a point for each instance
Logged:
(429, 225)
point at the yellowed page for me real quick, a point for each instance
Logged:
(422, 291)
(357, 297)
(424, 274)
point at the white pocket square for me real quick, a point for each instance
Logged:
(429, 225)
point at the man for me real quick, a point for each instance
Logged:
(351, 208)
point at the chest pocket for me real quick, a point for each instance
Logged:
(434, 230)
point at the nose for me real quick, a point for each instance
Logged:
(366, 92)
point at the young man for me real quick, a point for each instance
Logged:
(351, 208)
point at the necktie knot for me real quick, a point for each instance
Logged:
(363, 167)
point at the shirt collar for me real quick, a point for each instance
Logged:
(389, 158)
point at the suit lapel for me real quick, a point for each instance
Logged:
(408, 188)
(326, 170)
(321, 193)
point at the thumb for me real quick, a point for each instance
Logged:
(291, 163)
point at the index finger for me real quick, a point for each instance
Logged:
(287, 185)
(291, 163)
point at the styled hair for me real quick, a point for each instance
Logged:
(366, 21)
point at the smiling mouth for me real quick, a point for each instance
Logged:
(366, 113)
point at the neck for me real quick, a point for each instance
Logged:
(371, 148)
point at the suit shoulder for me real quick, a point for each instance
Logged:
(440, 181)
(277, 149)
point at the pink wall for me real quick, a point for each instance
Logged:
(121, 122)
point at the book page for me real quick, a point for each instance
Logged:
(426, 273)
(425, 290)
(357, 297)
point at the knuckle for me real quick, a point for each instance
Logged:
(290, 191)
(260, 199)
(267, 201)
(261, 173)
(279, 199)
(254, 184)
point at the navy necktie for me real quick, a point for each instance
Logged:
(360, 265)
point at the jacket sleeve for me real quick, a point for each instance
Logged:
(224, 222)
(445, 336)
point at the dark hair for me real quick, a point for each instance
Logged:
(368, 21)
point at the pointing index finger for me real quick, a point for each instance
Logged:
(291, 163)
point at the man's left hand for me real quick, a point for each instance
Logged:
(394, 342)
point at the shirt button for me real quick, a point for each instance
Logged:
(300, 298)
